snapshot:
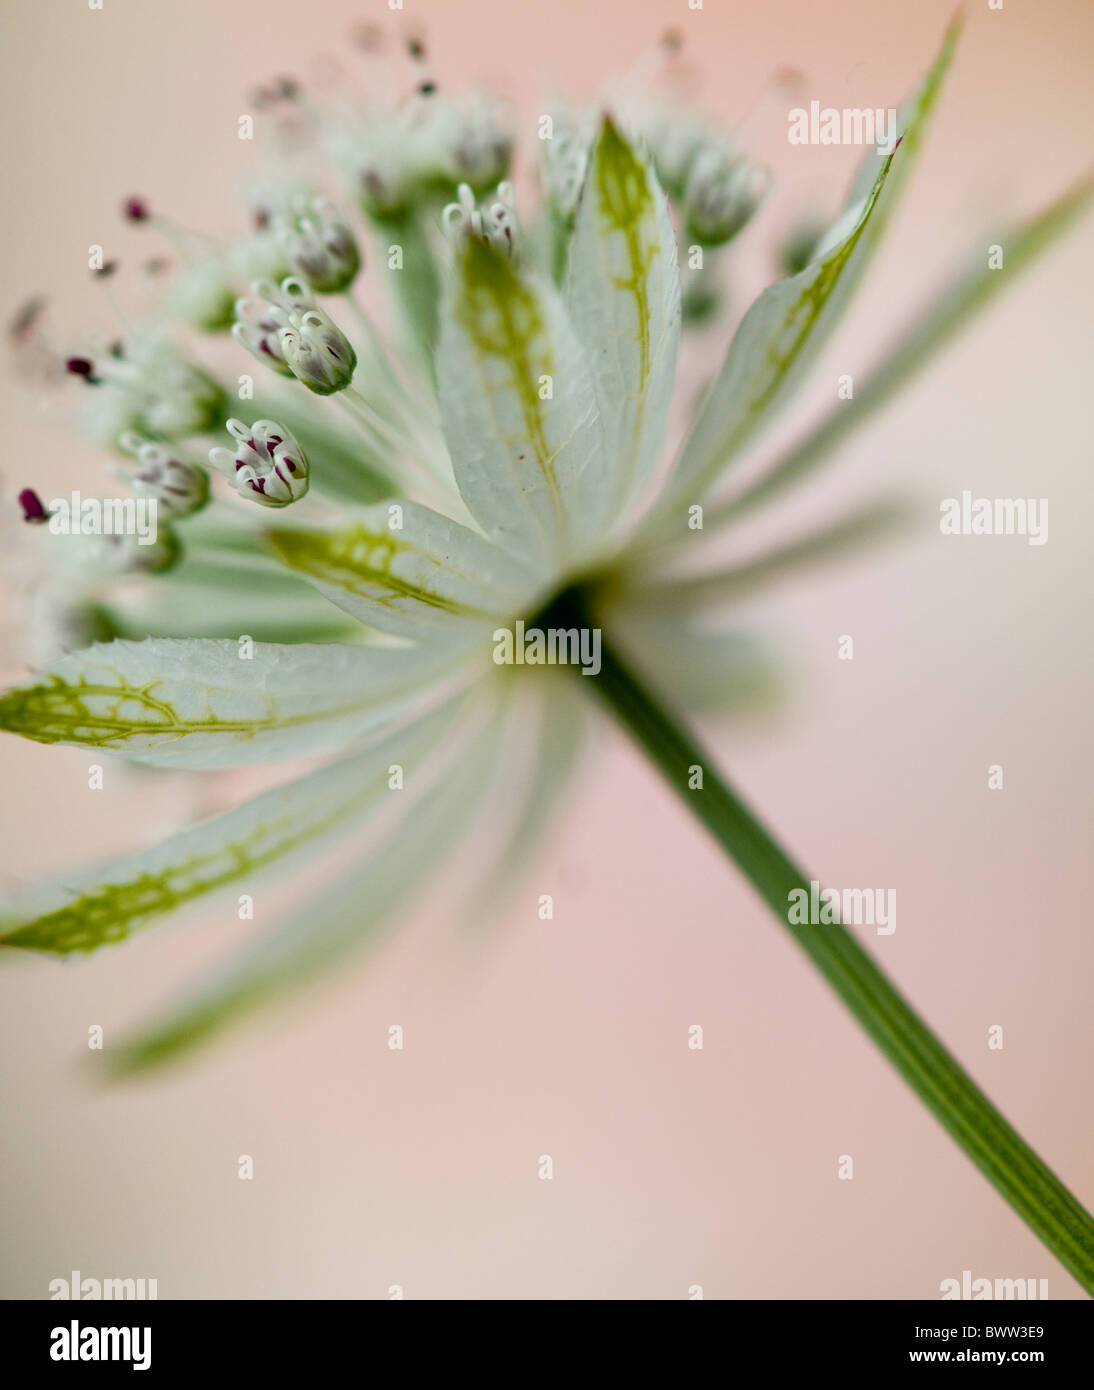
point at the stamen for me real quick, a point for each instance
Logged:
(82, 366)
(33, 509)
(189, 244)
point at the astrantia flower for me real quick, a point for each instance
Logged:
(510, 468)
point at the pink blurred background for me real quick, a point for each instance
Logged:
(673, 1167)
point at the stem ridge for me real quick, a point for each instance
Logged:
(1048, 1208)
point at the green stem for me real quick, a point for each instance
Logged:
(1032, 1189)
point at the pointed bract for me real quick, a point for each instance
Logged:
(623, 294)
(519, 412)
(408, 570)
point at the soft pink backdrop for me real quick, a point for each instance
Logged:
(673, 1168)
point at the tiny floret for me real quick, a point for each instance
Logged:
(267, 465)
(494, 223)
(179, 487)
(723, 193)
(319, 244)
(283, 327)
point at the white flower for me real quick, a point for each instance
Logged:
(258, 324)
(475, 141)
(319, 244)
(145, 385)
(267, 465)
(283, 327)
(495, 223)
(396, 160)
(179, 487)
(722, 194)
(551, 377)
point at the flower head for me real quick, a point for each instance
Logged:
(520, 444)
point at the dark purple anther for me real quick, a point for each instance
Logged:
(31, 503)
(82, 366)
(136, 210)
